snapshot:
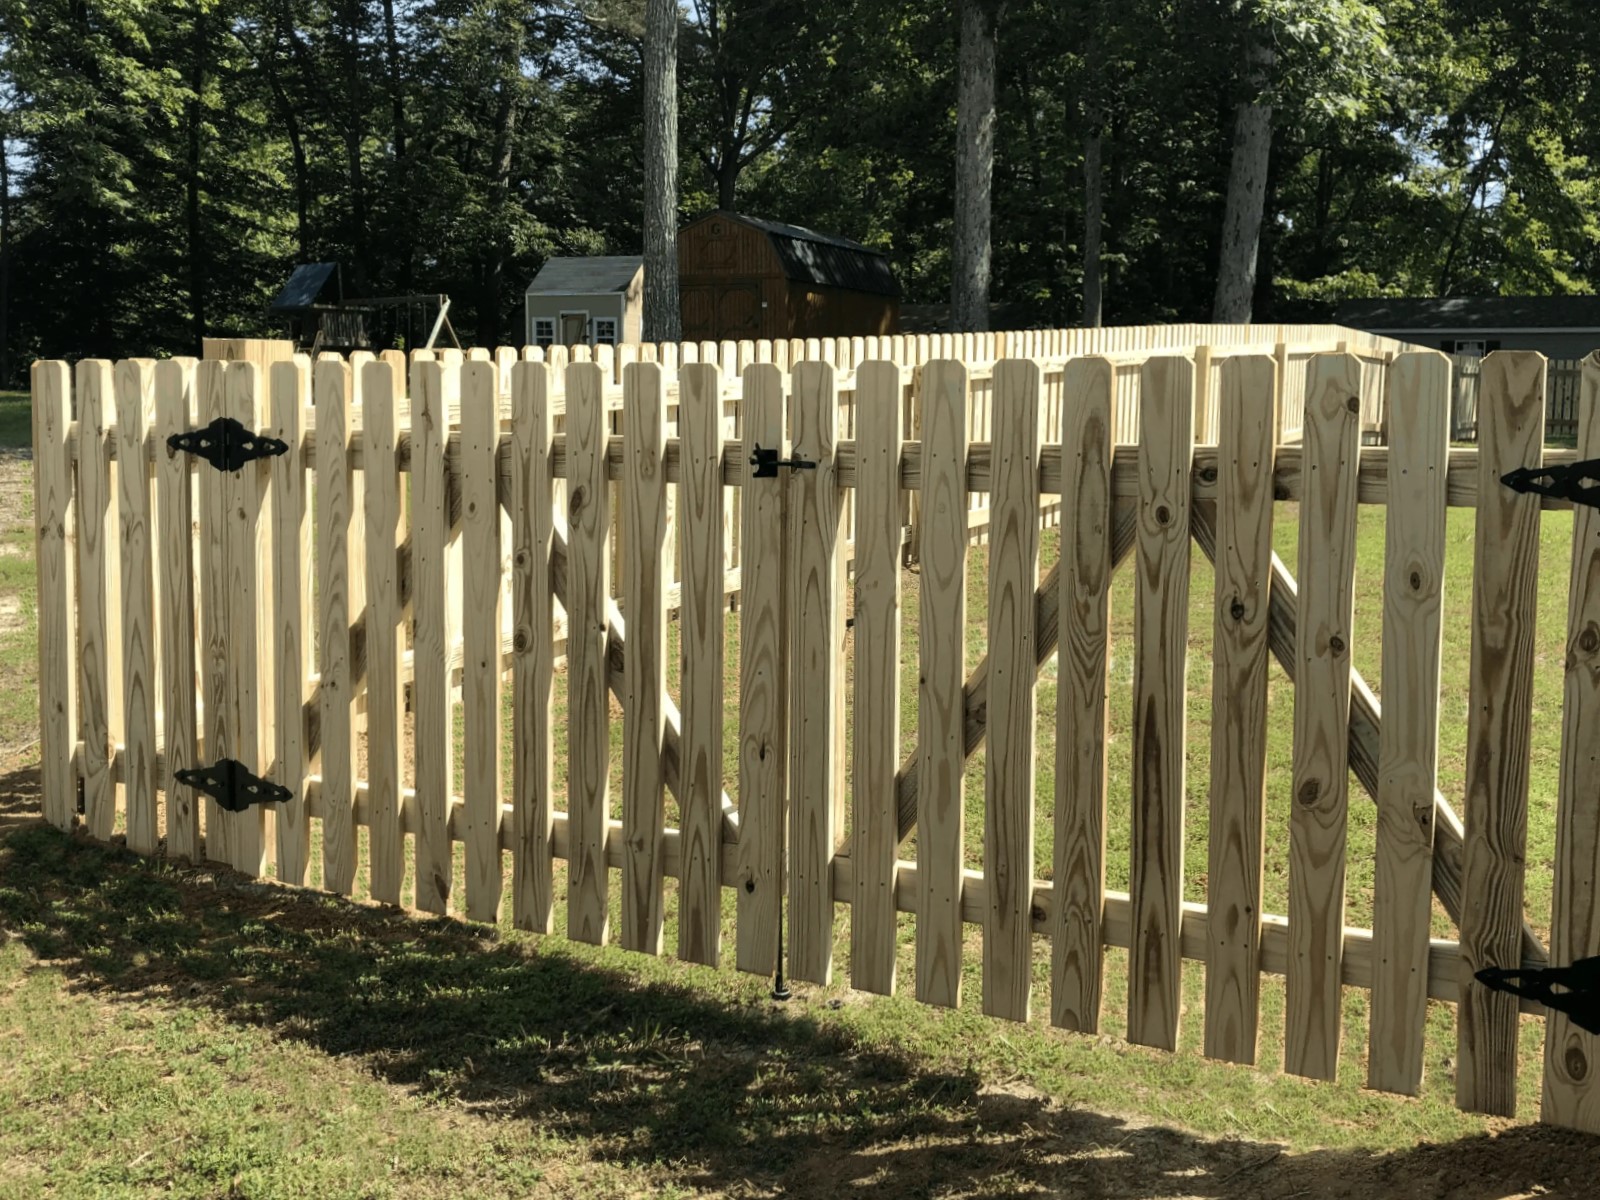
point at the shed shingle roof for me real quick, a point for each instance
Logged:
(823, 258)
(585, 276)
(1472, 312)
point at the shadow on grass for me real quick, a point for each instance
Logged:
(722, 1095)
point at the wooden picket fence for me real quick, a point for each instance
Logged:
(1563, 392)
(460, 522)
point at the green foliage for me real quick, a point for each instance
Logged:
(169, 163)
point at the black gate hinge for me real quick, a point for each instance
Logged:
(226, 444)
(767, 462)
(1579, 996)
(233, 786)
(1578, 482)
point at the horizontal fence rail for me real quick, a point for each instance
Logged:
(659, 660)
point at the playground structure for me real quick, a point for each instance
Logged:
(478, 520)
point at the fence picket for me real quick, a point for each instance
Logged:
(385, 635)
(1247, 426)
(763, 681)
(1166, 454)
(875, 818)
(1077, 932)
(1013, 690)
(588, 705)
(941, 640)
(1413, 588)
(1322, 715)
(1505, 597)
(644, 587)
(481, 600)
(55, 522)
(1571, 1092)
(336, 699)
(135, 383)
(435, 391)
(700, 532)
(217, 730)
(533, 671)
(293, 630)
(99, 613)
(816, 705)
(174, 401)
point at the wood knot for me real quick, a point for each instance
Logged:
(1336, 644)
(750, 887)
(1416, 581)
(1309, 791)
(1208, 474)
(1577, 1064)
(1163, 515)
(1589, 640)
(522, 642)
(1353, 404)
(1236, 609)
(576, 500)
(520, 560)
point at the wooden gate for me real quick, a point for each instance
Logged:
(342, 620)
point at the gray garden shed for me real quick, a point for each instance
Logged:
(574, 301)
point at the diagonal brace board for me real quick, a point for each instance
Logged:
(1365, 711)
(1366, 718)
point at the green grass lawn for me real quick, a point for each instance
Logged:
(179, 1030)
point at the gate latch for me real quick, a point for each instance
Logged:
(767, 462)
(226, 444)
(1579, 984)
(1578, 482)
(232, 785)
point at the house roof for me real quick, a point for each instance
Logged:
(585, 276)
(823, 258)
(1471, 313)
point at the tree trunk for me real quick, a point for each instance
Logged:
(1092, 107)
(505, 133)
(662, 318)
(5, 258)
(975, 121)
(1093, 209)
(397, 109)
(196, 244)
(353, 107)
(1247, 190)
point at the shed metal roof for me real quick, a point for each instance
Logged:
(822, 258)
(304, 286)
(585, 276)
(1472, 312)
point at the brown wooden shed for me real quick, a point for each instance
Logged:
(743, 278)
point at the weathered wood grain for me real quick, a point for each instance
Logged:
(293, 630)
(941, 640)
(1408, 750)
(1160, 668)
(435, 391)
(1247, 425)
(644, 586)
(1571, 1093)
(701, 549)
(1082, 715)
(1321, 773)
(763, 683)
(55, 521)
(873, 922)
(135, 384)
(588, 706)
(1505, 598)
(1013, 694)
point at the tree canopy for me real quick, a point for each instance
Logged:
(166, 164)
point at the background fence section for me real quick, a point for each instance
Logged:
(448, 530)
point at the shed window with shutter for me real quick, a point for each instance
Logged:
(544, 331)
(605, 330)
